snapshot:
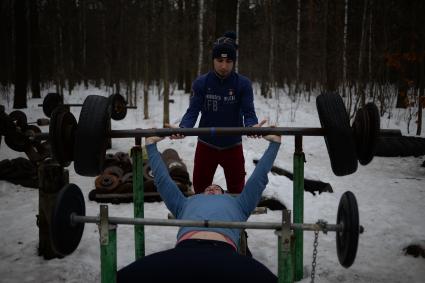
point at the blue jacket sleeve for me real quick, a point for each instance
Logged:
(170, 193)
(256, 184)
(247, 105)
(195, 106)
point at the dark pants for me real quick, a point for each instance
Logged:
(197, 261)
(208, 158)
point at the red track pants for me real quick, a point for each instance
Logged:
(208, 158)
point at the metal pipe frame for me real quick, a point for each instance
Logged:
(212, 224)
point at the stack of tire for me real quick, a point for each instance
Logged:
(177, 170)
(116, 179)
(115, 184)
(395, 146)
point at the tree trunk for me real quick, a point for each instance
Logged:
(370, 51)
(332, 46)
(297, 82)
(200, 37)
(361, 88)
(225, 16)
(165, 76)
(421, 96)
(21, 57)
(344, 50)
(34, 50)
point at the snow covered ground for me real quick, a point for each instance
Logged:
(390, 193)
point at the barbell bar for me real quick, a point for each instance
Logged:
(119, 105)
(68, 220)
(93, 132)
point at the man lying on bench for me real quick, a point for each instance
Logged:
(204, 254)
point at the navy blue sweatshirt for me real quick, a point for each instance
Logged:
(227, 102)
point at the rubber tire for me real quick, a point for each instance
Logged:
(374, 127)
(91, 136)
(348, 240)
(339, 135)
(50, 102)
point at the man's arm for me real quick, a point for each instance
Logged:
(256, 184)
(170, 193)
(195, 105)
(247, 105)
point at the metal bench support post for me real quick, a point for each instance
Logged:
(285, 266)
(298, 193)
(138, 199)
(108, 248)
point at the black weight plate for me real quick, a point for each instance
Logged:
(50, 102)
(348, 239)
(339, 135)
(19, 118)
(62, 135)
(6, 124)
(114, 170)
(373, 119)
(170, 154)
(31, 130)
(119, 107)
(66, 236)
(106, 183)
(17, 141)
(91, 136)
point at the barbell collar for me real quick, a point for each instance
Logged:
(228, 131)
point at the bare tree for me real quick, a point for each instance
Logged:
(34, 49)
(21, 57)
(200, 30)
(165, 74)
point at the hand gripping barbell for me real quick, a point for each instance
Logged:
(119, 105)
(91, 134)
(68, 219)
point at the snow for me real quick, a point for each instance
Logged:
(390, 193)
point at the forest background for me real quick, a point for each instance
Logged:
(367, 50)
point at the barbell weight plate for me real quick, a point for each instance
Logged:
(50, 102)
(31, 130)
(91, 136)
(111, 160)
(338, 133)
(106, 183)
(114, 170)
(170, 154)
(19, 118)
(119, 107)
(43, 122)
(66, 236)
(62, 135)
(347, 240)
(373, 119)
(17, 141)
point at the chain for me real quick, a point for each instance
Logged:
(313, 263)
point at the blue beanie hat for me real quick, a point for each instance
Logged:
(225, 46)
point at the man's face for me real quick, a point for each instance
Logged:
(223, 66)
(213, 190)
